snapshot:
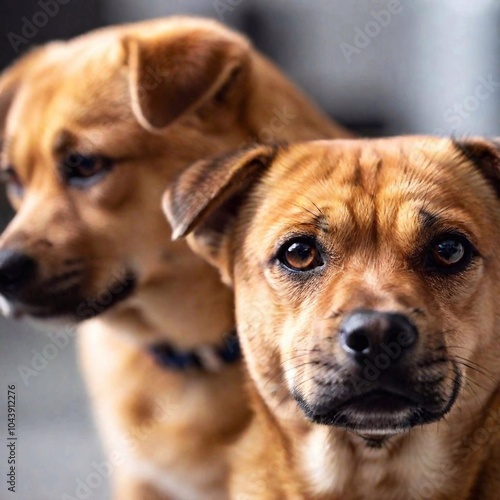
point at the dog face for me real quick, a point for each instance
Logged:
(365, 273)
(92, 131)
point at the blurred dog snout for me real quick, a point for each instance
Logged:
(365, 334)
(16, 271)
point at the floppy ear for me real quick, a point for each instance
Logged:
(484, 154)
(204, 200)
(10, 80)
(171, 74)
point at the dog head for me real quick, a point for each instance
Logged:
(366, 272)
(92, 130)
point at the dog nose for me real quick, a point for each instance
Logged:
(365, 334)
(16, 270)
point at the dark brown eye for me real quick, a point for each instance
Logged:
(300, 255)
(450, 253)
(82, 171)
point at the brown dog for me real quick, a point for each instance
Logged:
(93, 130)
(367, 280)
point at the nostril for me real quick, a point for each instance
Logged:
(357, 341)
(16, 269)
(403, 333)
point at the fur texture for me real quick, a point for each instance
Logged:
(137, 103)
(379, 217)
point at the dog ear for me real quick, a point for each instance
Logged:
(175, 73)
(204, 200)
(484, 154)
(10, 80)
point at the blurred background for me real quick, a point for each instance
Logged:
(379, 67)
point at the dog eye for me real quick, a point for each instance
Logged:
(450, 253)
(11, 179)
(300, 254)
(82, 171)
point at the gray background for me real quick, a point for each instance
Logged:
(417, 74)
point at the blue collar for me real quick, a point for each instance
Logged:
(207, 357)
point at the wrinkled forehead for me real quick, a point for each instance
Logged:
(71, 90)
(70, 81)
(379, 186)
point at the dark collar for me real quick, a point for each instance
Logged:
(207, 357)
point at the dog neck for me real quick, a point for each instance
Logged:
(440, 460)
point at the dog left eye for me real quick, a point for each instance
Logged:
(82, 171)
(300, 254)
(450, 253)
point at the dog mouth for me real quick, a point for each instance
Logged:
(71, 303)
(382, 411)
(379, 402)
(375, 412)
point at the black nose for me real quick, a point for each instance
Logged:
(16, 270)
(365, 334)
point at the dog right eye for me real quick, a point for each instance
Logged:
(300, 254)
(450, 253)
(82, 171)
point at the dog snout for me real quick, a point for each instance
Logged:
(16, 270)
(364, 334)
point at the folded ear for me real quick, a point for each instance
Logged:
(204, 200)
(484, 154)
(176, 71)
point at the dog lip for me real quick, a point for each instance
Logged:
(379, 410)
(376, 401)
(79, 308)
(129, 287)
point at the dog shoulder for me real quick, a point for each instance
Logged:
(261, 463)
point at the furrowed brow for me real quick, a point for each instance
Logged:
(428, 219)
(63, 142)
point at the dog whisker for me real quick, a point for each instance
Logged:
(475, 368)
(282, 371)
(477, 384)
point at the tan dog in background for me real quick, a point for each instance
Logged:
(93, 129)
(367, 280)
